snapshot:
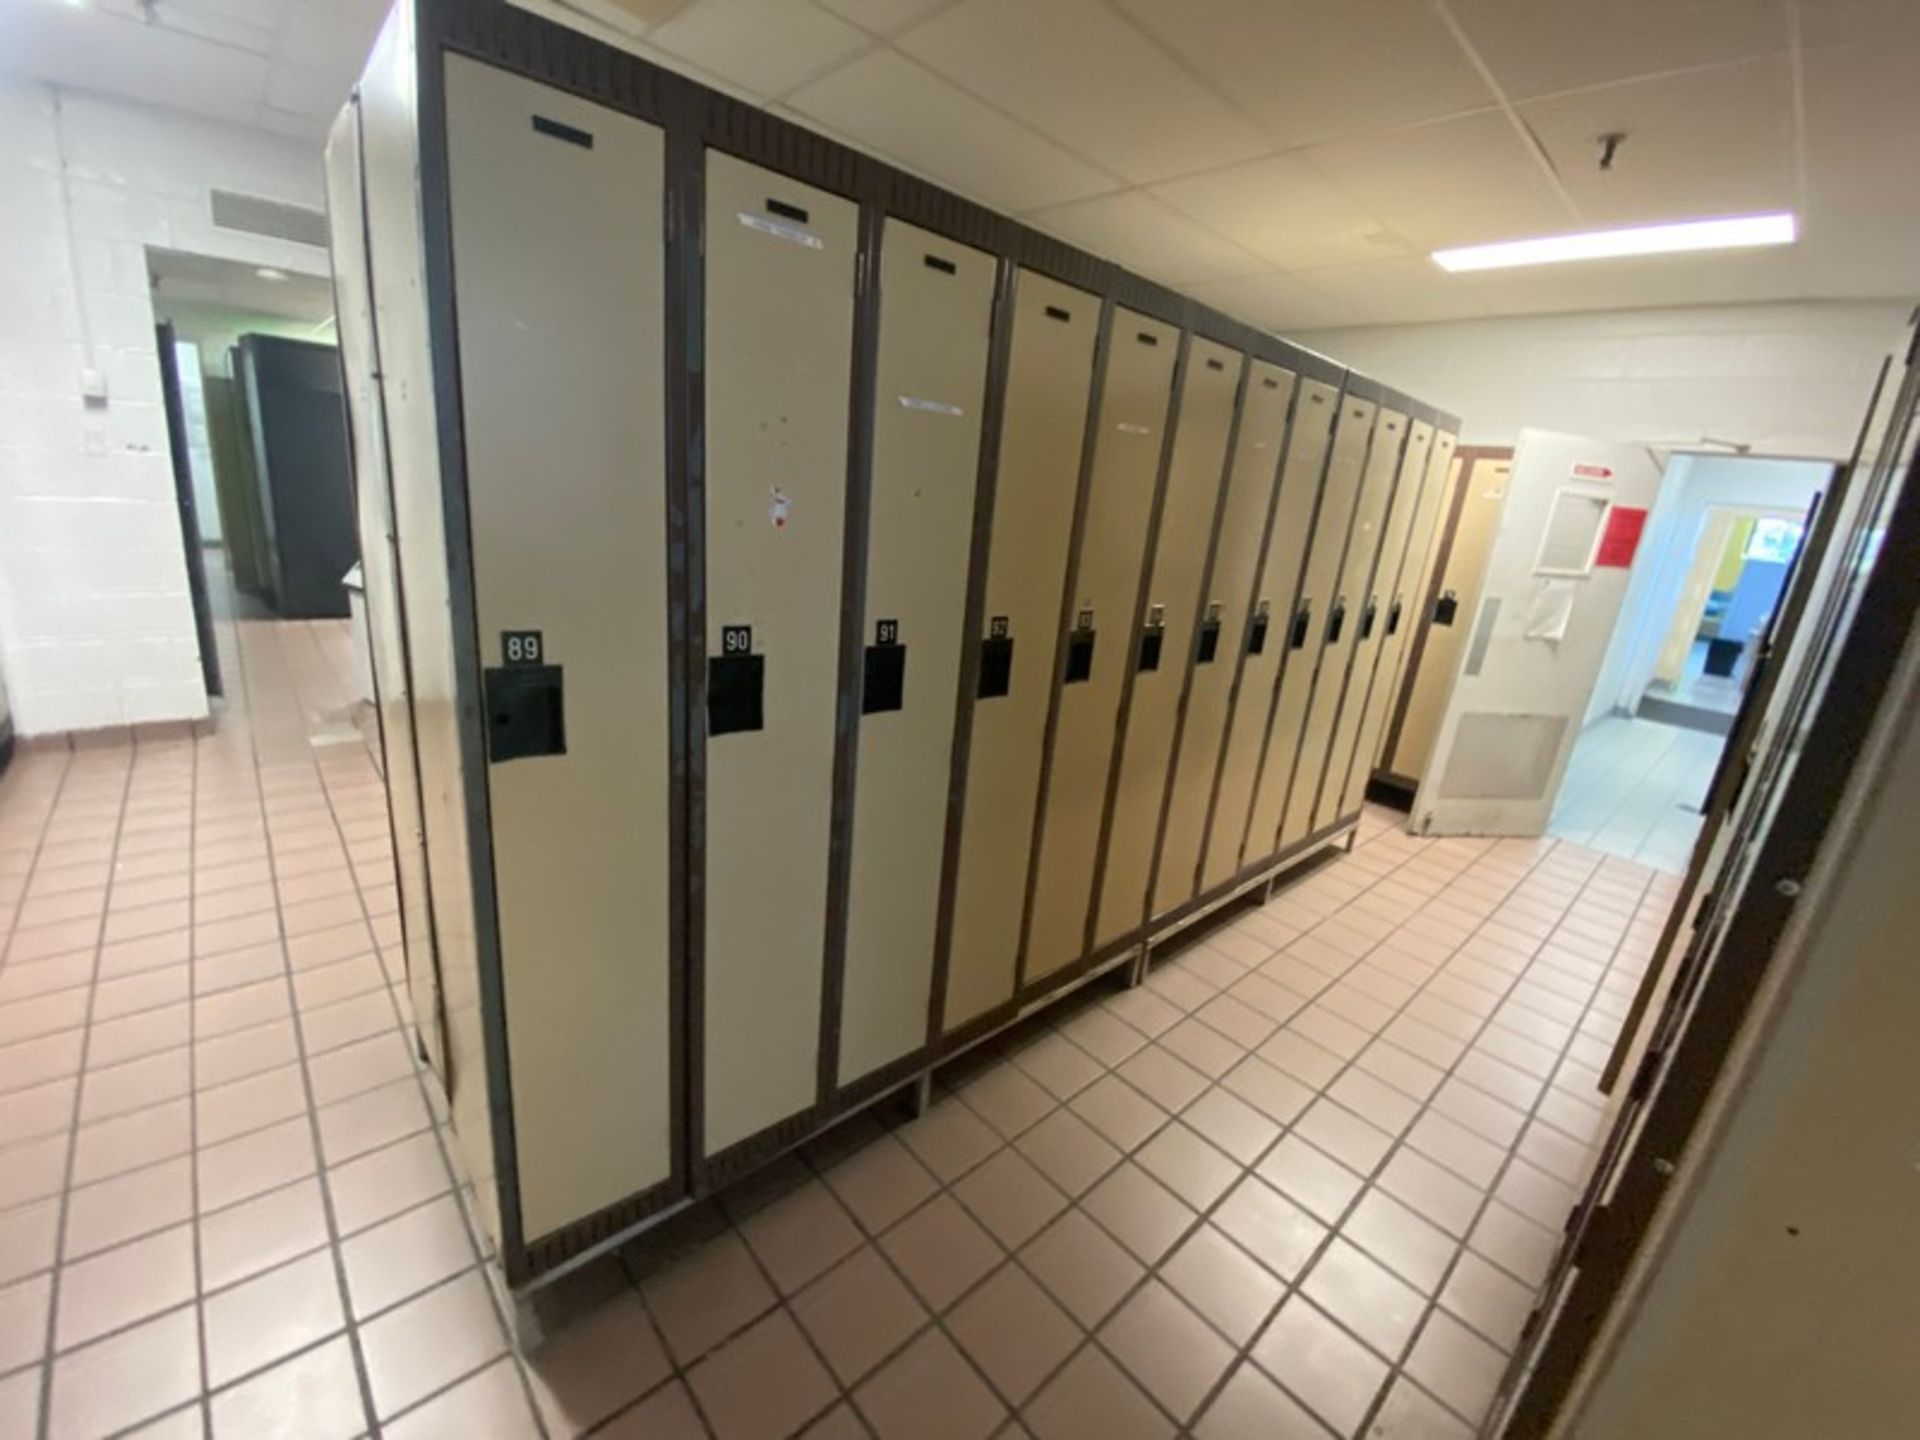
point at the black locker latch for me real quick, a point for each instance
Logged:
(1336, 621)
(1367, 617)
(1080, 650)
(736, 684)
(526, 714)
(1153, 639)
(1393, 617)
(996, 660)
(1209, 636)
(1257, 631)
(1445, 608)
(1302, 618)
(884, 682)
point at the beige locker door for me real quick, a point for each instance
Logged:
(1100, 642)
(1243, 516)
(779, 343)
(559, 254)
(1463, 572)
(936, 311)
(1342, 632)
(1369, 641)
(1174, 619)
(1042, 431)
(1304, 631)
(1308, 438)
(1396, 616)
(1424, 552)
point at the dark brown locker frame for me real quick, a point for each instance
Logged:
(693, 119)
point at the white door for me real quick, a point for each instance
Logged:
(1558, 571)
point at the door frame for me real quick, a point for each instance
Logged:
(189, 517)
(1736, 940)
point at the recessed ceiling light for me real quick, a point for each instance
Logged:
(1735, 232)
(270, 272)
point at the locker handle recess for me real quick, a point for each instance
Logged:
(1079, 657)
(1336, 621)
(1393, 618)
(1301, 620)
(736, 684)
(1152, 641)
(1257, 635)
(795, 213)
(1367, 617)
(1446, 608)
(526, 714)
(883, 686)
(1209, 640)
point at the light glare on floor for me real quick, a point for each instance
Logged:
(1732, 233)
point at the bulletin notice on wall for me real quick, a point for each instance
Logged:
(1621, 539)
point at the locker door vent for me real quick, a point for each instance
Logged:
(1209, 641)
(884, 685)
(736, 686)
(996, 667)
(526, 715)
(1079, 657)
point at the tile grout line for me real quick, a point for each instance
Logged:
(45, 1419)
(479, 1250)
(193, 1092)
(247, 678)
(1487, 1199)
(1370, 1181)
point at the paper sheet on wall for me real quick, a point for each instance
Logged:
(1550, 609)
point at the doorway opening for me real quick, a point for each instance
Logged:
(1720, 545)
(211, 313)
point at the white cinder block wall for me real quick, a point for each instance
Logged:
(1786, 379)
(96, 622)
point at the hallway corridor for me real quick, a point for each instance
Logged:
(1301, 1183)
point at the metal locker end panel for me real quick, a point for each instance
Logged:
(1043, 426)
(559, 256)
(1245, 771)
(780, 260)
(936, 313)
(1196, 472)
(1111, 562)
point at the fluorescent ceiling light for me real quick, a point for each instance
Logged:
(1736, 232)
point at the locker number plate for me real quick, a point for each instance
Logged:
(736, 639)
(522, 647)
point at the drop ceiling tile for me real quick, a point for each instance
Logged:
(886, 102)
(764, 46)
(1408, 290)
(1308, 70)
(884, 17)
(1831, 22)
(1551, 45)
(1457, 182)
(1709, 142)
(1284, 211)
(1139, 232)
(1081, 75)
(1277, 302)
(333, 36)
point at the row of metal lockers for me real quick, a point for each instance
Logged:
(932, 742)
